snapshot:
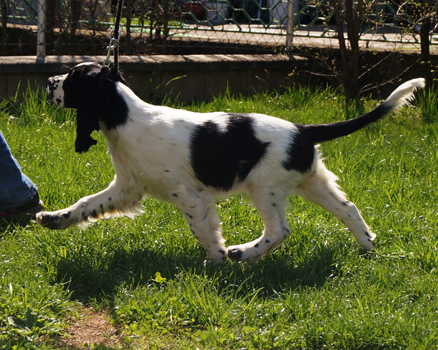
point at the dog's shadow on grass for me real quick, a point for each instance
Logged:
(89, 279)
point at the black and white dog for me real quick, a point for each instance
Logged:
(190, 159)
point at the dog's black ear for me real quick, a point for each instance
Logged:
(86, 123)
(115, 75)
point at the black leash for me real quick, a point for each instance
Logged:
(113, 46)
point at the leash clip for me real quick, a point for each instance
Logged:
(110, 48)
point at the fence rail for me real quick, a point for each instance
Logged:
(196, 26)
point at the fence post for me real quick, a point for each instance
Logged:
(290, 23)
(41, 31)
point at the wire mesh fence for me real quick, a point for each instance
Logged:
(197, 26)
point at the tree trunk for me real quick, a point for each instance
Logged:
(52, 19)
(340, 31)
(426, 24)
(165, 23)
(353, 18)
(4, 25)
(425, 51)
(128, 22)
(349, 56)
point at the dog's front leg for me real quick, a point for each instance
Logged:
(199, 209)
(113, 201)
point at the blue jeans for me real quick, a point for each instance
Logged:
(15, 187)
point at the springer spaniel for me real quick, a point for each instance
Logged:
(190, 159)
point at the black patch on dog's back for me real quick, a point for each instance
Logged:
(301, 152)
(220, 157)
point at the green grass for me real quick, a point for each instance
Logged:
(317, 291)
(428, 103)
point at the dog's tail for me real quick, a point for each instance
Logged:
(325, 132)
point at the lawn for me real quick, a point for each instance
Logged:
(143, 283)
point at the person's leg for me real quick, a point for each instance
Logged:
(17, 191)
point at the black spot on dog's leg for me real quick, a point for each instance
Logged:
(66, 215)
(267, 241)
(48, 219)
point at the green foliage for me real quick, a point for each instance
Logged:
(428, 103)
(317, 291)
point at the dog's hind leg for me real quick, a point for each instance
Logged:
(199, 209)
(113, 201)
(321, 188)
(271, 204)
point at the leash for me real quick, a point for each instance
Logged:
(112, 47)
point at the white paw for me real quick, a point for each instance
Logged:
(55, 220)
(249, 251)
(217, 256)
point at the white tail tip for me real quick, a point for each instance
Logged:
(405, 92)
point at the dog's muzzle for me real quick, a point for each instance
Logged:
(54, 89)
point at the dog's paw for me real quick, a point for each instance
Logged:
(54, 220)
(368, 245)
(248, 251)
(217, 257)
(235, 253)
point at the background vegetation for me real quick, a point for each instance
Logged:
(148, 274)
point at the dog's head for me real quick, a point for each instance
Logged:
(93, 93)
